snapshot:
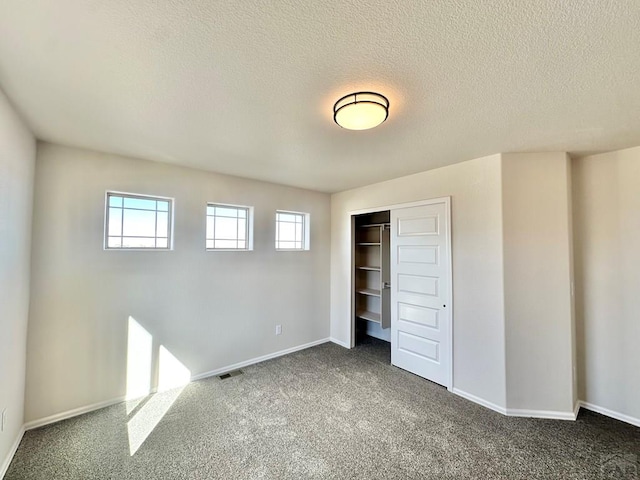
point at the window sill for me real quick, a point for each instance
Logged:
(138, 249)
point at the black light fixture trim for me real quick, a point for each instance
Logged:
(355, 101)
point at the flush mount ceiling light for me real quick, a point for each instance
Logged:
(361, 110)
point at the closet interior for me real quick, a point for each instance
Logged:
(371, 292)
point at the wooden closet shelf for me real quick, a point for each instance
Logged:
(369, 244)
(369, 291)
(372, 225)
(371, 316)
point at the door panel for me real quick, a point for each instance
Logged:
(419, 346)
(420, 296)
(420, 315)
(425, 225)
(418, 285)
(408, 254)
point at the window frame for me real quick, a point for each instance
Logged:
(306, 231)
(249, 227)
(170, 221)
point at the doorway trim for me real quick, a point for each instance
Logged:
(352, 213)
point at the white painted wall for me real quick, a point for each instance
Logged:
(537, 282)
(475, 188)
(209, 309)
(17, 160)
(607, 258)
(215, 309)
(375, 330)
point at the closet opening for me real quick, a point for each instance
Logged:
(401, 286)
(371, 309)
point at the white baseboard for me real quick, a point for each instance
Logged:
(513, 412)
(252, 361)
(480, 401)
(58, 417)
(550, 414)
(107, 403)
(14, 448)
(610, 413)
(340, 342)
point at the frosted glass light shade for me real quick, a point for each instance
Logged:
(361, 110)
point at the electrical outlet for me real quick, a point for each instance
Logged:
(278, 329)
(3, 420)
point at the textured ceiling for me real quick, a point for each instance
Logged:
(246, 87)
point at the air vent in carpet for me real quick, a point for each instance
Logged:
(234, 373)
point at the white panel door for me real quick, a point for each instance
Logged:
(420, 291)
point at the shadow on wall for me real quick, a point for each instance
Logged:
(145, 408)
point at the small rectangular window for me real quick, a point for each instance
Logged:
(138, 222)
(292, 231)
(228, 227)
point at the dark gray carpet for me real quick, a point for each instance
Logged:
(326, 413)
